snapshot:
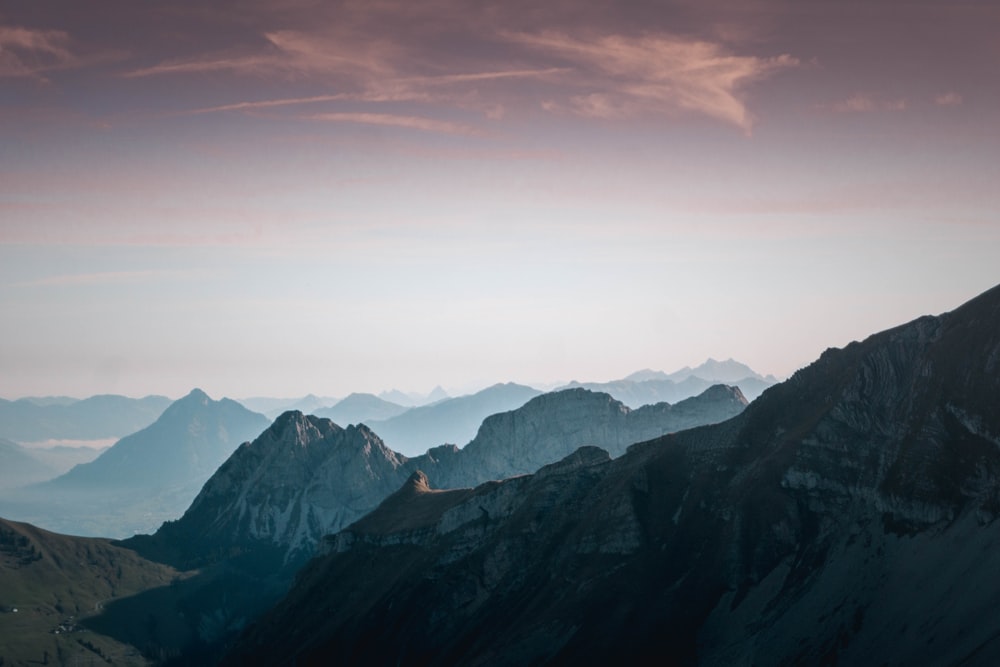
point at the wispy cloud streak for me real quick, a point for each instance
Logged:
(28, 53)
(393, 120)
(868, 102)
(603, 76)
(949, 99)
(654, 74)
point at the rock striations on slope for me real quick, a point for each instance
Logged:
(306, 477)
(280, 493)
(846, 516)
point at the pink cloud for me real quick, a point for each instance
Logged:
(949, 99)
(293, 54)
(407, 89)
(393, 120)
(267, 104)
(868, 102)
(244, 64)
(28, 53)
(655, 74)
(391, 52)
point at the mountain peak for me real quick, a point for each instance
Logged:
(437, 394)
(724, 392)
(417, 483)
(727, 371)
(294, 427)
(198, 395)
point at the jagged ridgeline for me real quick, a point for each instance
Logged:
(306, 477)
(847, 516)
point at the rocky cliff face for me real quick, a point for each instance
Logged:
(306, 477)
(845, 517)
(282, 492)
(551, 426)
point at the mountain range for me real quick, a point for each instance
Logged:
(62, 418)
(647, 386)
(412, 430)
(306, 477)
(19, 467)
(847, 516)
(359, 408)
(450, 420)
(144, 478)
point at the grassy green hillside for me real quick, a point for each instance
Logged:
(50, 583)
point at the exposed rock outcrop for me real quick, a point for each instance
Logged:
(281, 492)
(306, 477)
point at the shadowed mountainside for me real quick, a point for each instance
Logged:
(844, 517)
(51, 584)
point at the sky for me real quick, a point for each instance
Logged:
(293, 196)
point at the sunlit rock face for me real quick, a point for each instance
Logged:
(282, 492)
(306, 477)
(846, 516)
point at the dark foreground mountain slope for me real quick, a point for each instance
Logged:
(848, 516)
(306, 477)
(50, 585)
(144, 478)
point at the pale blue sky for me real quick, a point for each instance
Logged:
(276, 206)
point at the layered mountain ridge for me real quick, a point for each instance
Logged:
(143, 478)
(306, 477)
(843, 517)
(94, 418)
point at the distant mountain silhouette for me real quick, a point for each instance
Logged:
(145, 477)
(360, 409)
(412, 400)
(551, 426)
(21, 466)
(94, 418)
(729, 370)
(18, 467)
(847, 516)
(63, 458)
(450, 420)
(272, 407)
(305, 476)
(646, 387)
